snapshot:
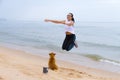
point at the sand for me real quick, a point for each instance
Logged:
(19, 65)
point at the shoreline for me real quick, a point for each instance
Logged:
(26, 66)
(88, 60)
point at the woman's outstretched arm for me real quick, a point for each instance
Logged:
(55, 21)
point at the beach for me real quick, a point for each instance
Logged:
(84, 39)
(19, 65)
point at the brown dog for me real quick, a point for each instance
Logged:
(52, 62)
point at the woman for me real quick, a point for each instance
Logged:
(69, 41)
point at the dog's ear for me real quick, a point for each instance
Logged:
(54, 53)
(49, 53)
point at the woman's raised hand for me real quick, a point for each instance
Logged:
(46, 20)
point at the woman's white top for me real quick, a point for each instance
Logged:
(69, 28)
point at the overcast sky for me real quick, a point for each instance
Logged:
(84, 10)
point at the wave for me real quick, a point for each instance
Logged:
(100, 44)
(94, 57)
(101, 59)
(111, 62)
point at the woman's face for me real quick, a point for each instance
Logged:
(69, 17)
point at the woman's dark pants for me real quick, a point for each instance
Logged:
(68, 43)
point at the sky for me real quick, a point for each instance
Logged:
(83, 10)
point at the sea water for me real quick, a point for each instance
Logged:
(94, 38)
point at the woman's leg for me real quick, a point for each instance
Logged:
(65, 42)
(71, 43)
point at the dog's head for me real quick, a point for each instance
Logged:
(52, 54)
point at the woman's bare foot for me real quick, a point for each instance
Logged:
(76, 45)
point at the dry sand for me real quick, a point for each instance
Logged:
(18, 65)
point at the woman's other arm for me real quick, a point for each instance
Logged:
(55, 21)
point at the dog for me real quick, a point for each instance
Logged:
(52, 62)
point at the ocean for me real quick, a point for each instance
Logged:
(96, 40)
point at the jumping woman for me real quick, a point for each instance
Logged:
(69, 41)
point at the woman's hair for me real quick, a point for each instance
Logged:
(72, 17)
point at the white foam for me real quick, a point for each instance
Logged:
(110, 62)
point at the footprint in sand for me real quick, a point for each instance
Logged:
(74, 73)
(1, 78)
